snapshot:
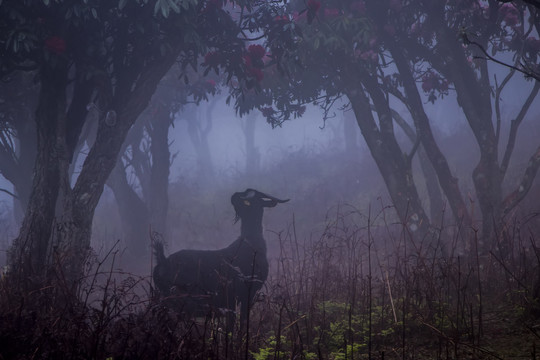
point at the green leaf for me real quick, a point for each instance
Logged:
(94, 13)
(122, 4)
(316, 43)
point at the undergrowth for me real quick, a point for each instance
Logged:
(359, 291)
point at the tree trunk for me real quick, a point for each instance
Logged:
(161, 162)
(132, 210)
(474, 96)
(29, 250)
(394, 165)
(448, 182)
(436, 203)
(80, 204)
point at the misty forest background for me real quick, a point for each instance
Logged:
(405, 133)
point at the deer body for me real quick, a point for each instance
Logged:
(203, 280)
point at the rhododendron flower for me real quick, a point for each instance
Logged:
(369, 55)
(282, 19)
(509, 14)
(247, 60)
(256, 51)
(56, 45)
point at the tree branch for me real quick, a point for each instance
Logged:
(517, 195)
(514, 128)
(524, 71)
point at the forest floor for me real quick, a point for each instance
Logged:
(348, 294)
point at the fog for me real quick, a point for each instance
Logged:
(305, 160)
(314, 179)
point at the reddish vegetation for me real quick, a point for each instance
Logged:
(256, 51)
(432, 81)
(509, 14)
(255, 73)
(55, 44)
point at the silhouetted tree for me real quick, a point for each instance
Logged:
(112, 54)
(375, 53)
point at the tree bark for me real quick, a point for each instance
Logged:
(29, 250)
(474, 96)
(448, 182)
(394, 165)
(75, 224)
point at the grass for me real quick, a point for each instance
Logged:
(362, 290)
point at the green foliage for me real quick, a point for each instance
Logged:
(270, 351)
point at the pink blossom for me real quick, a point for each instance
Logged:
(256, 51)
(509, 14)
(508, 8)
(369, 55)
(281, 19)
(247, 60)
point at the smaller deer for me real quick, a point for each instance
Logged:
(208, 280)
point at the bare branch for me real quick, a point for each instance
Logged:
(525, 71)
(517, 195)
(514, 128)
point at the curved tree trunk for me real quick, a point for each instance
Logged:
(395, 167)
(38, 246)
(448, 182)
